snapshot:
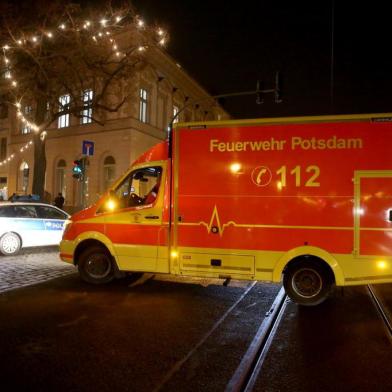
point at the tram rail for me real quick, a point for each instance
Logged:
(381, 310)
(247, 372)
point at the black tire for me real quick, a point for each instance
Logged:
(96, 266)
(10, 244)
(307, 282)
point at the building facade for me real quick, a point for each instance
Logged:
(158, 93)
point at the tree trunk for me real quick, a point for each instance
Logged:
(39, 152)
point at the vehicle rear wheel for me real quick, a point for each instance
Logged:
(10, 244)
(307, 282)
(95, 265)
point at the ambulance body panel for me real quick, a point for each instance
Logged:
(255, 200)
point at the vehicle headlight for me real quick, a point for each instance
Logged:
(67, 225)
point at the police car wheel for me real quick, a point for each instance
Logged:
(96, 266)
(10, 244)
(307, 282)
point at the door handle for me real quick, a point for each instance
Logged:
(152, 217)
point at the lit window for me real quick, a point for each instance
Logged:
(64, 102)
(87, 113)
(109, 171)
(27, 110)
(143, 105)
(23, 177)
(175, 114)
(60, 177)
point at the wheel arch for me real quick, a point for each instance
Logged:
(296, 254)
(88, 239)
(13, 232)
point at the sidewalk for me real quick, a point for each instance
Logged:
(31, 266)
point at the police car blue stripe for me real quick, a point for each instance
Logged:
(54, 224)
(29, 224)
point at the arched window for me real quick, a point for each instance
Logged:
(60, 177)
(23, 177)
(109, 172)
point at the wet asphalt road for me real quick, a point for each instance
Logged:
(176, 334)
(341, 345)
(64, 335)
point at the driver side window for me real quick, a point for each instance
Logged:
(140, 187)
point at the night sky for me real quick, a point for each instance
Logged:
(228, 46)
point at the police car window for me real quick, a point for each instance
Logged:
(138, 187)
(25, 212)
(7, 212)
(49, 213)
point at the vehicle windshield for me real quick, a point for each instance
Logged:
(140, 187)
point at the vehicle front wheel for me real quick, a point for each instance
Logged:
(307, 282)
(95, 265)
(10, 244)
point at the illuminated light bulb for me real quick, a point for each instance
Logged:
(111, 39)
(34, 39)
(8, 75)
(6, 47)
(88, 23)
(30, 142)
(140, 23)
(49, 34)
(382, 264)
(100, 34)
(118, 54)
(162, 41)
(107, 32)
(22, 149)
(62, 26)
(18, 105)
(111, 204)
(103, 22)
(160, 32)
(115, 47)
(14, 83)
(174, 254)
(19, 42)
(6, 60)
(94, 38)
(141, 48)
(235, 167)
(118, 18)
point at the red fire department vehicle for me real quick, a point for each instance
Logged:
(307, 200)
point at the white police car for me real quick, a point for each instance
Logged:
(29, 224)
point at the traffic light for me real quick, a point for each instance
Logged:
(77, 170)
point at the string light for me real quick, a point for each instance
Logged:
(14, 83)
(12, 156)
